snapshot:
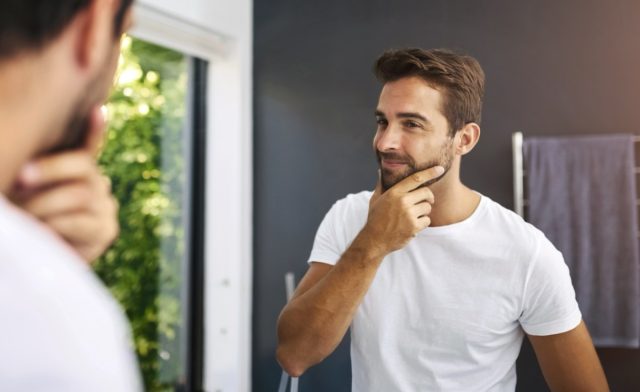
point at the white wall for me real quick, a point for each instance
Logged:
(230, 17)
(221, 32)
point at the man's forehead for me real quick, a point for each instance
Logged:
(408, 95)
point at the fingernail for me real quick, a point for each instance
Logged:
(439, 170)
(29, 173)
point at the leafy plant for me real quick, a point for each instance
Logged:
(144, 157)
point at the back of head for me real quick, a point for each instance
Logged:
(28, 25)
(459, 78)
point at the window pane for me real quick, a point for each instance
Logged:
(145, 157)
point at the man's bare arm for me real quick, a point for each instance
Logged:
(569, 361)
(318, 316)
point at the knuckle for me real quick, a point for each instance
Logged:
(406, 202)
(416, 226)
(88, 161)
(428, 196)
(90, 168)
(107, 183)
(83, 196)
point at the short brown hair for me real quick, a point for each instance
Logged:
(31, 24)
(458, 77)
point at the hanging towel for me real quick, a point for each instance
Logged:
(582, 195)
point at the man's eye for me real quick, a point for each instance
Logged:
(411, 124)
(381, 121)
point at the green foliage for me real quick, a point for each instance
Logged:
(144, 156)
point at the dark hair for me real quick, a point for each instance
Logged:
(31, 24)
(459, 78)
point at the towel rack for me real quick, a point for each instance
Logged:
(519, 172)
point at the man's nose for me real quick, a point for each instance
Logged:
(389, 139)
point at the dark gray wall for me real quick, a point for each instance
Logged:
(553, 67)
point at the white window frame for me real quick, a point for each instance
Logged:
(229, 201)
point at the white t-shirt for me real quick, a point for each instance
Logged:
(61, 330)
(447, 312)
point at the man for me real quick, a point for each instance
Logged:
(438, 283)
(61, 330)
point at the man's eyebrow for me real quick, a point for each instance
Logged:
(406, 115)
(413, 115)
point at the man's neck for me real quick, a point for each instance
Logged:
(454, 202)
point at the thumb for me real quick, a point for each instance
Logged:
(96, 132)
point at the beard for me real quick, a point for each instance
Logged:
(78, 124)
(389, 178)
(76, 129)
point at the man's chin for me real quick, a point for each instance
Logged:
(389, 179)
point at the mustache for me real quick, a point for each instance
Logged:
(394, 156)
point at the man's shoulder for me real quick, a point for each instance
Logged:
(506, 216)
(353, 205)
(511, 226)
(355, 200)
(39, 267)
(25, 239)
(44, 283)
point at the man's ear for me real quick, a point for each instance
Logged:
(467, 138)
(95, 33)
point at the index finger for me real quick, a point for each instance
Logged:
(48, 170)
(416, 179)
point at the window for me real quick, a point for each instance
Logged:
(153, 123)
(214, 39)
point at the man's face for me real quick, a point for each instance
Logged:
(412, 133)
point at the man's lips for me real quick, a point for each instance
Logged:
(392, 164)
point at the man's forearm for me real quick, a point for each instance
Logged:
(312, 325)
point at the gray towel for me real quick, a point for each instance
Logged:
(582, 195)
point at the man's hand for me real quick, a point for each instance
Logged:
(68, 192)
(398, 214)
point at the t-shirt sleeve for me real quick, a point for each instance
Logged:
(549, 300)
(327, 246)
